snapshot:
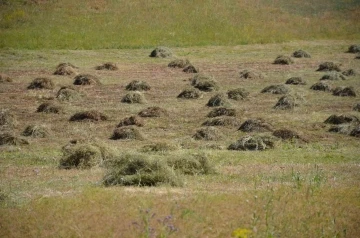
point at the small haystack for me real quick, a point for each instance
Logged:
(256, 125)
(354, 49)
(131, 121)
(68, 93)
(329, 66)
(218, 100)
(36, 131)
(356, 131)
(65, 69)
(137, 85)
(7, 120)
(179, 63)
(349, 72)
(222, 121)
(50, 107)
(41, 83)
(321, 86)
(222, 111)
(344, 129)
(301, 54)
(341, 119)
(191, 164)
(286, 102)
(357, 107)
(10, 139)
(190, 93)
(107, 66)
(190, 69)
(344, 92)
(86, 79)
(161, 52)
(283, 59)
(333, 76)
(92, 115)
(260, 142)
(153, 112)
(161, 147)
(134, 97)
(204, 83)
(276, 89)
(286, 134)
(127, 133)
(5, 79)
(238, 94)
(250, 74)
(208, 133)
(296, 81)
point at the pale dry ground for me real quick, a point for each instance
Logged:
(29, 174)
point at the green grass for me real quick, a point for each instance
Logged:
(115, 24)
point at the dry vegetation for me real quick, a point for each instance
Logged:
(284, 175)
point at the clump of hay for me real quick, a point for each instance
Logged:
(41, 83)
(276, 89)
(296, 81)
(256, 125)
(321, 86)
(137, 85)
(131, 121)
(85, 155)
(286, 102)
(7, 120)
(127, 133)
(179, 63)
(329, 66)
(301, 54)
(333, 76)
(283, 59)
(208, 133)
(91, 115)
(218, 100)
(190, 93)
(354, 49)
(153, 112)
(134, 97)
(161, 52)
(107, 66)
(357, 57)
(65, 69)
(36, 131)
(192, 164)
(286, 134)
(355, 108)
(238, 94)
(344, 129)
(222, 111)
(140, 170)
(356, 131)
(344, 92)
(68, 93)
(259, 142)
(10, 139)
(222, 121)
(160, 147)
(50, 107)
(250, 74)
(204, 83)
(190, 69)
(349, 72)
(341, 119)
(5, 79)
(86, 79)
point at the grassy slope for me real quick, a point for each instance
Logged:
(292, 191)
(98, 24)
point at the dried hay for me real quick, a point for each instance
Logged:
(50, 107)
(286, 134)
(68, 93)
(276, 89)
(7, 120)
(222, 121)
(222, 111)
(329, 66)
(357, 107)
(36, 131)
(107, 66)
(41, 83)
(160, 147)
(161, 52)
(282, 59)
(127, 133)
(190, 93)
(208, 133)
(91, 115)
(131, 121)
(137, 85)
(354, 49)
(250, 74)
(321, 86)
(153, 112)
(253, 143)
(256, 125)
(134, 97)
(218, 100)
(10, 139)
(86, 79)
(204, 83)
(356, 131)
(238, 94)
(349, 72)
(286, 102)
(190, 69)
(333, 76)
(179, 63)
(345, 129)
(296, 81)
(191, 164)
(341, 119)
(65, 69)
(344, 92)
(301, 54)
(5, 79)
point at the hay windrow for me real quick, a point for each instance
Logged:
(91, 115)
(68, 93)
(222, 111)
(131, 121)
(341, 119)
(354, 49)
(301, 54)
(153, 112)
(256, 125)
(218, 100)
(333, 76)
(134, 97)
(276, 89)
(250, 74)
(7, 120)
(296, 81)
(127, 133)
(179, 63)
(329, 66)
(321, 86)
(36, 131)
(190, 93)
(50, 107)
(10, 139)
(191, 69)
(86, 79)
(208, 133)
(254, 143)
(65, 69)
(344, 92)
(238, 94)
(282, 59)
(137, 85)
(204, 83)
(41, 83)
(5, 79)
(161, 52)
(107, 66)
(222, 121)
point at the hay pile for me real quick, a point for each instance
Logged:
(283, 59)
(256, 125)
(107, 66)
(68, 93)
(296, 81)
(137, 85)
(191, 164)
(36, 131)
(190, 93)
(50, 107)
(222, 111)
(354, 49)
(65, 69)
(134, 97)
(356, 131)
(333, 76)
(286, 102)
(5, 79)
(204, 83)
(86, 79)
(208, 133)
(153, 112)
(276, 89)
(329, 66)
(344, 92)
(259, 142)
(7, 120)
(160, 147)
(286, 134)
(131, 121)
(341, 119)
(350, 129)
(161, 52)
(218, 100)
(349, 72)
(179, 63)
(238, 94)
(10, 139)
(357, 107)
(222, 121)
(41, 83)
(301, 54)
(127, 133)
(190, 69)
(91, 115)
(250, 74)
(321, 86)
